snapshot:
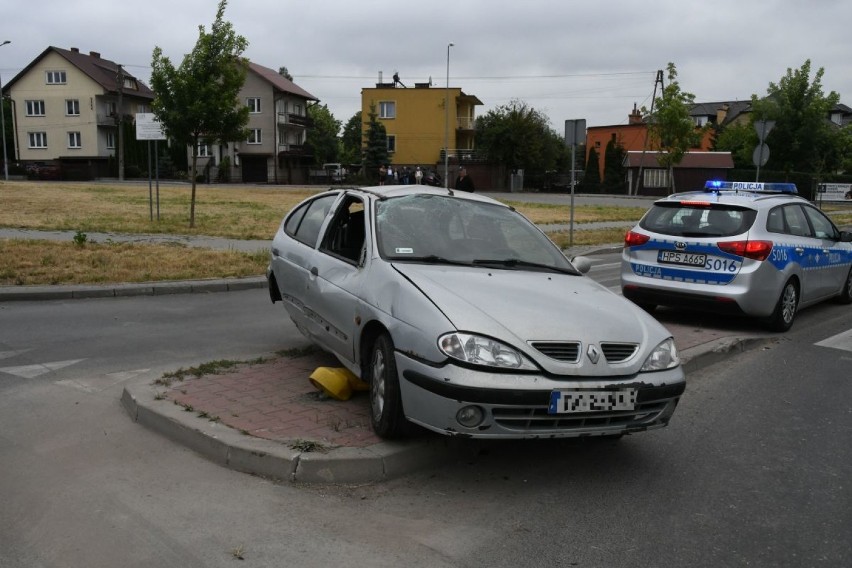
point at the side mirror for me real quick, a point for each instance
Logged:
(845, 237)
(582, 264)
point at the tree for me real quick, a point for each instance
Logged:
(591, 182)
(322, 137)
(200, 99)
(740, 140)
(284, 73)
(520, 137)
(376, 146)
(352, 139)
(670, 126)
(614, 171)
(803, 139)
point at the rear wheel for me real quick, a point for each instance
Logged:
(846, 296)
(386, 412)
(785, 310)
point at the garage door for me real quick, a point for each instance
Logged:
(254, 169)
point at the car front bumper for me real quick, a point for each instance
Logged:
(516, 405)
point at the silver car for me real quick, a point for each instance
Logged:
(466, 319)
(756, 249)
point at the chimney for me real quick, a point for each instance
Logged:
(75, 49)
(95, 54)
(634, 117)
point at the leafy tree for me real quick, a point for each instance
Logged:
(376, 145)
(740, 140)
(671, 128)
(322, 137)
(284, 73)
(352, 139)
(614, 170)
(591, 182)
(200, 99)
(802, 140)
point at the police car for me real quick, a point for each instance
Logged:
(750, 248)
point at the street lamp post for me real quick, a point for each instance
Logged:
(3, 125)
(447, 123)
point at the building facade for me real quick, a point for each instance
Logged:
(274, 150)
(67, 110)
(420, 125)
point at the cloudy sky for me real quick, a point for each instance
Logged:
(568, 59)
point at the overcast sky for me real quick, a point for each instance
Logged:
(568, 59)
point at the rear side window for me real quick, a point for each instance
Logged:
(684, 220)
(304, 223)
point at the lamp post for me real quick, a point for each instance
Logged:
(3, 125)
(447, 123)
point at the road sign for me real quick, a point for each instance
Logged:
(575, 132)
(148, 127)
(761, 155)
(763, 128)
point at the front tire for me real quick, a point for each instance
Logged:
(386, 414)
(785, 310)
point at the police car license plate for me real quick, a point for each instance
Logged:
(574, 401)
(684, 258)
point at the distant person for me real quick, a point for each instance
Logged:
(383, 173)
(463, 182)
(418, 176)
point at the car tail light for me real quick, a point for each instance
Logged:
(758, 250)
(632, 239)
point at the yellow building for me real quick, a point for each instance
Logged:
(417, 123)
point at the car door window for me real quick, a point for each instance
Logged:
(822, 226)
(346, 232)
(796, 222)
(304, 223)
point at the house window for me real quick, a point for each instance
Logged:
(254, 136)
(55, 77)
(655, 178)
(110, 139)
(253, 104)
(35, 108)
(112, 108)
(72, 107)
(387, 109)
(75, 140)
(130, 83)
(297, 110)
(204, 151)
(391, 143)
(37, 139)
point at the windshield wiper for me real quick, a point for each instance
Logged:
(516, 262)
(430, 259)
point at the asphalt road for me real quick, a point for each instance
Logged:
(753, 470)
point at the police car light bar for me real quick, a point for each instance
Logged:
(752, 186)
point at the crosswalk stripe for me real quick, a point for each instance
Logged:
(32, 371)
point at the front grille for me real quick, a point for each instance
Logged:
(536, 419)
(567, 351)
(618, 352)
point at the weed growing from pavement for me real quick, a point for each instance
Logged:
(238, 552)
(307, 446)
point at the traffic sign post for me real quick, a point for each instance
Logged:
(761, 153)
(575, 135)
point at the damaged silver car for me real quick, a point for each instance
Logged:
(465, 319)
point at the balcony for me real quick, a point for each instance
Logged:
(465, 123)
(293, 150)
(464, 155)
(294, 120)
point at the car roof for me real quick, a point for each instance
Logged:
(750, 199)
(390, 191)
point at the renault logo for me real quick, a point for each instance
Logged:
(593, 354)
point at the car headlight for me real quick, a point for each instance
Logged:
(664, 356)
(480, 350)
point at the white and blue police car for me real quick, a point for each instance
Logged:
(749, 248)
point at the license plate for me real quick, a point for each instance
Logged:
(684, 258)
(574, 401)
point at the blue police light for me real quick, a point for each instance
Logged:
(750, 186)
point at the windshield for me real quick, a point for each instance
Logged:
(446, 229)
(688, 220)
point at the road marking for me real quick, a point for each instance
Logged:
(841, 341)
(126, 375)
(32, 371)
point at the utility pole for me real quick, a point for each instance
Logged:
(119, 121)
(657, 81)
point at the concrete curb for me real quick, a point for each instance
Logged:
(380, 462)
(74, 292)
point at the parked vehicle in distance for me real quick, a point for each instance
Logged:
(329, 173)
(756, 249)
(465, 319)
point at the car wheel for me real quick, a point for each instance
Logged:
(846, 296)
(386, 413)
(785, 310)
